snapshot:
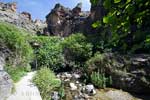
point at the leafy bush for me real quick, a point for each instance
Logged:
(98, 62)
(49, 53)
(46, 81)
(128, 27)
(96, 69)
(15, 72)
(15, 41)
(76, 50)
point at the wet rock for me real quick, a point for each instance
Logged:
(55, 96)
(77, 82)
(73, 86)
(90, 90)
(67, 80)
(76, 76)
(80, 85)
(67, 75)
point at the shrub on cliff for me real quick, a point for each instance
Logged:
(76, 50)
(14, 42)
(15, 47)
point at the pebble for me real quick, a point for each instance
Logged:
(76, 76)
(73, 86)
(55, 96)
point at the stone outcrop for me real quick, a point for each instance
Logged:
(129, 72)
(24, 20)
(11, 7)
(41, 27)
(64, 21)
(26, 15)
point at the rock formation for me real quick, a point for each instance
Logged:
(6, 83)
(12, 7)
(64, 21)
(129, 72)
(26, 15)
(8, 14)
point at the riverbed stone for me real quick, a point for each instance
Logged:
(73, 86)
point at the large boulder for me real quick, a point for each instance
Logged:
(63, 21)
(129, 72)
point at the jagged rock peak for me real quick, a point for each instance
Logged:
(64, 21)
(12, 7)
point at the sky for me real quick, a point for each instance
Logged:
(40, 8)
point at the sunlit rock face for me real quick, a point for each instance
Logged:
(26, 15)
(24, 20)
(63, 21)
(11, 7)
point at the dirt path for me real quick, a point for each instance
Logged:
(25, 90)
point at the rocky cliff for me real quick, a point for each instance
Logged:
(63, 21)
(24, 20)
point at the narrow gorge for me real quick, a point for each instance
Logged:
(75, 54)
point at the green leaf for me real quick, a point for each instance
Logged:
(107, 4)
(97, 24)
(94, 2)
(105, 20)
(128, 1)
(117, 1)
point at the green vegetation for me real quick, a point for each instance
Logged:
(128, 23)
(76, 50)
(49, 52)
(98, 62)
(147, 42)
(18, 52)
(56, 53)
(100, 80)
(15, 72)
(15, 41)
(46, 81)
(96, 70)
(125, 28)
